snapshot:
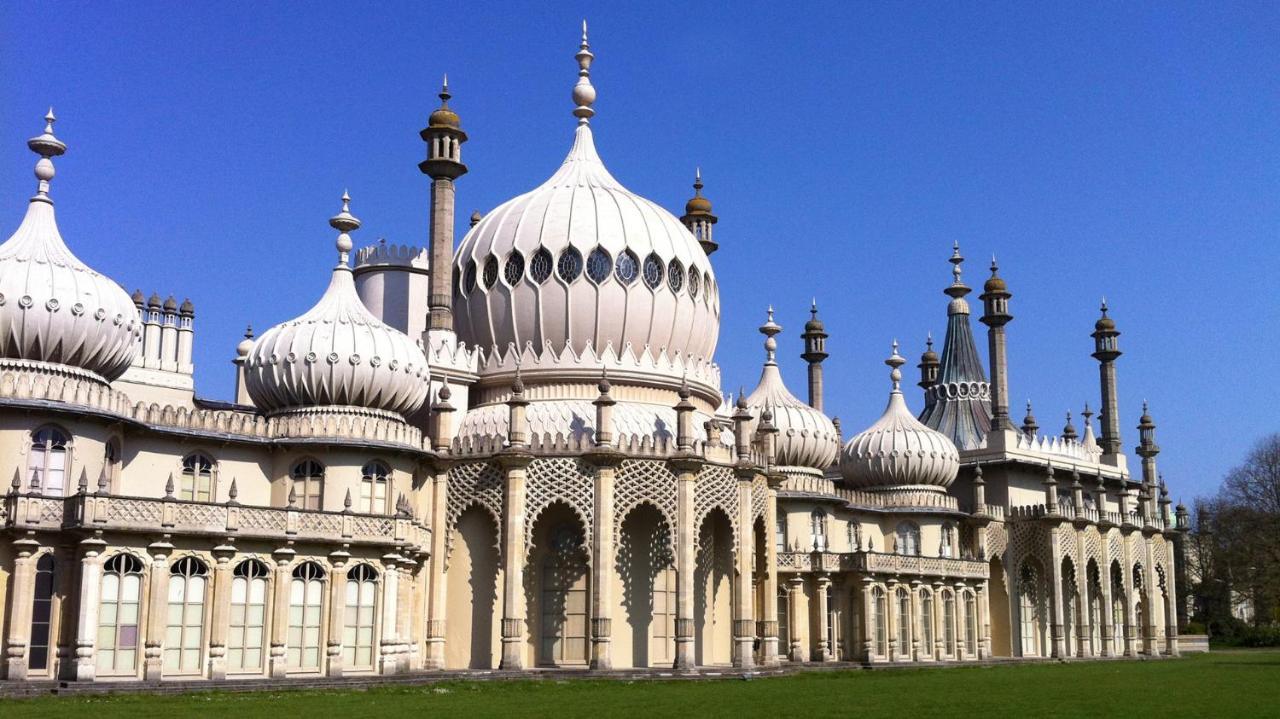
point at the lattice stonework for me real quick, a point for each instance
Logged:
(1093, 547)
(997, 542)
(716, 487)
(1115, 554)
(1027, 540)
(643, 482)
(562, 479)
(759, 497)
(1067, 545)
(477, 484)
(1161, 548)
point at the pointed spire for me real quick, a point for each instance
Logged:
(293, 496)
(168, 487)
(958, 288)
(104, 485)
(584, 95)
(232, 492)
(344, 222)
(346, 501)
(47, 147)
(769, 329)
(895, 362)
(16, 485)
(83, 486)
(444, 91)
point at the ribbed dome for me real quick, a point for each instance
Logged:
(53, 307)
(581, 261)
(806, 437)
(899, 452)
(337, 354)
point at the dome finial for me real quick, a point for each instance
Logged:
(895, 361)
(958, 288)
(769, 329)
(47, 147)
(583, 93)
(444, 91)
(344, 222)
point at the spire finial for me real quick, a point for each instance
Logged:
(813, 307)
(583, 93)
(769, 329)
(248, 332)
(1104, 306)
(697, 182)
(47, 147)
(995, 268)
(928, 341)
(344, 222)
(444, 91)
(895, 361)
(958, 288)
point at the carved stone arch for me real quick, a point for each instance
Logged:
(716, 488)
(531, 526)
(644, 482)
(565, 480)
(759, 496)
(473, 484)
(1115, 550)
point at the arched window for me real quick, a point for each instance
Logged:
(185, 628)
(970, 624)
(780, 533)
(599, 265)
(490, 272)
(197, 478)
(818, 527)
(947, 547)
(652, 271)
(880, 617)
(248, 616)
(540, 266)
(626, 267)
(469, 277)
(308, 484)
(675, 276)
(926, 620)
(357, 630)
(694, 283)
(904, 621)
(908, 539)
(41, 615)
(110, 463)
(833, 623)
(1029, 610)
(1117, 608)
(47, 464)
(949, 622)
(784, 623)
(514, 269)
(373, 487)
(306, 600)
(118, 615)
(569, 266)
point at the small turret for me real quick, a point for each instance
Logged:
(444, 137)
(698, 218)
(1106, 351)
(815, 351)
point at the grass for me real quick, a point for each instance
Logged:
(1236, 683)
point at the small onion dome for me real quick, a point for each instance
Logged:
(898, 451)
(806, 437)
(187, 309)
(138, 298)
(697, 205)
(1104, 323)
(53, 307)
(171, 304)
(246, 345)
(443, 116)
(154, 301)
(929, 357)
(995, 283)
(337, 354)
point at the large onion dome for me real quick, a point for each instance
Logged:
(53, 307)
(337, 354)
(898, 451)
(806, 438)
(583, 263)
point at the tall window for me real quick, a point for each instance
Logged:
(784, 623)
(908, 539)
(118, 615)
(1029, 611)
(780, 533)
(926, 620)
(970, 624)
(47, 465)
(818, 525)
(949, 621)
(188, 579)
(110, 458)
(663, 628)
(41, 615)
(880, 612)
(248, 616)
(306, 597)
(373, 488)
(904, 621)
(197, 479)
(357, 630)
(833, 623)
(308, 483)
(947, 548)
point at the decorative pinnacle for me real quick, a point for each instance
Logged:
(583, 93)
(444, 91)
(47, 147)
(895, 361)
(248, 332)
(928, 341)
(958, 288)
(697, 182)
(769, 329)
(344, 222)
(1104, 306)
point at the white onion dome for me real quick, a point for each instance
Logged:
(53, 307)
(806, 437)
(898, 451)
(583, 263)
(337, 354)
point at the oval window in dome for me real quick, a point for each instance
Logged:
(570, 264)
(694, 282)
(627, 267)
(709, 285)
(652, 271)
(540, 266)
(514, 269)
(675, 276)
(490, 272)
(599, 265)
(469, 278)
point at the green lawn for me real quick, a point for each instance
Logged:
(1240, 683)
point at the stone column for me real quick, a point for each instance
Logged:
(769, 625)
(939, 627)
(21, 595)
(279, 660)
(337, 611)
(220, 609)
(957, 616)
(891, 618)
(603, 556)
(1130, 619)
(822, 650)
(744, 626)
(686, 467)
(1056, 599)
(915, 612)
(157, 609)
(794, 618)
(984, 621)
(90, 604)
(515, 462)
(437, 597)
(390, 638)
(404, 614)
(1105, 616)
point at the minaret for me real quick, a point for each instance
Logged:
(1069, 430)
(1106, 349)
(815, 351)
(444, 138)
(1029, 425)
(928, 367)
(995, 303)
(698, 218)
(1148, 449)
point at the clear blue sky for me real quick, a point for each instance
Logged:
(1125, 149)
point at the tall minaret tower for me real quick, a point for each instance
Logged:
(698, 218)
(995, 315)
(444, 138)
(1148, 449)
(815, 351)
(1106, 349)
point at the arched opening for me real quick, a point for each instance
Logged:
(1032, 614)
(880, 621)
(48, 461)
(41, 615)
(646, 568)
(307, 484)
(970, 624)
(908, 539)
(1119, 612)
(561, 589)
(375, 481)
(949, 624)
(784, 623)
(306, 612)
(247, 627)
(358, 617)
(197, 483)
(119, 615)
(184, 632)
(713, 591)
(902, 607)
(1140, 606)
(998, 606)
(1070, 607)
(471, 604)
(1093, 587)
(926, 622)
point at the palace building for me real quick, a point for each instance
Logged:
(516, 453)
